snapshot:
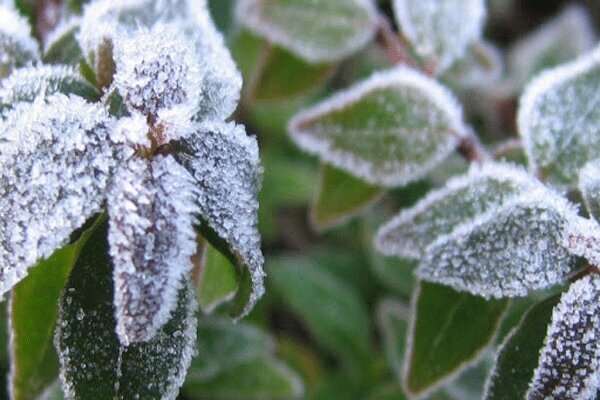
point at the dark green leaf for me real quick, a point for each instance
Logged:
(340, 197)
(94, 365)
(218, 280)
(64, 49)
(518, 355)
(449, 331)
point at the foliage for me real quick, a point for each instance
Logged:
(427, 202)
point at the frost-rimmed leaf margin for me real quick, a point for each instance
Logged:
(589, 186)
(442, 47)
(249, 14)
(409, 83)
(389, 240)
(570, 357)
(540, 206)
(529, 116)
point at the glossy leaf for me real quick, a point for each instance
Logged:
(218, 280)
(333, 312)
(340, 197)
(440, 30)
(337, 27)
(460, 201)
(390, 129)
(94, 365)
(558, 119)
(569, 363)
(448, 331)
(518, 354)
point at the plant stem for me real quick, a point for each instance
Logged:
(394, 46)
(472, 150)
(47, 15)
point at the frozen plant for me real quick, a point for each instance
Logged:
(118, 153)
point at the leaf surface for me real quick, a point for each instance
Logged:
(17, 47)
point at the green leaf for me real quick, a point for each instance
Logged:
(33, 305)
(393, 324)
(340, 196)
(94, 365)
(218, 280)
(440, 31)
(390, 129)
(388, 392)
(338, 28)
(448, 332)
(481, 67)
(64, 48)
(519, 354)
(235, 361)
(559, 119)
(333, 311)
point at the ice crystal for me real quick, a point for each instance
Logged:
(17, 47)
(569, 365)
(558, 119)
(463, 199)
(505, 252)
(224, 161)
(338, 27)
(56, 161)
(151, 235)
(589, 185)
(441, 30)
(391, 129)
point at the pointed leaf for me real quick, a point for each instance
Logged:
(94, 365)
(558, 119)
(340, 197)
(17, 47)
(507, 252)
(570, 359)
(559, 40)
(338, 28)
(440, 30)
(448, 332)
(589, 185)
(331, 309)
(151, 208)
(225, 164)
(390, 129)
(462, 200)
(518, 355)
(61, 45)
(55, 159)
(218, 280)
(33, 312)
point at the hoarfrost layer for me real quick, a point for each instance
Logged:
(17, 47)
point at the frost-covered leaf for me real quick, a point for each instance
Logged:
(151, 208)
(558, 119)
(462, 200)
(225, 164)
(569, 365)
(330, 308)
(106, 20)
(481, 67)
(518, 354)
(340, 197)
(559, 40)
(17, 47)
(218, 279)
(448, 332)
(506, 252)
(61, 46)
(589, 185)
(94, 365)
(390, 129)
(56, 159)
(33, 312)
(25, 84)
(337, 27)
(440, 30)
(157, 69)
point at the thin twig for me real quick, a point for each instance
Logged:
(471, 149)
(506, 147)
(47, 15)
(395, 48)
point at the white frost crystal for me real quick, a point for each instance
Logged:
(151, 207)
(559, 119)
(55, 163)
(225, 163)
(441, 30)
(569, 366)
(17, 47)
(589, 185)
